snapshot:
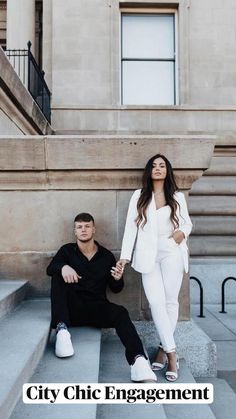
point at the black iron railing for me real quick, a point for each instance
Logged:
(223, 293)
(201, 294)
(32, 77)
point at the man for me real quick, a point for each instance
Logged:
(80, 274)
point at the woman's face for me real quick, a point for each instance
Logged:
(159, 169)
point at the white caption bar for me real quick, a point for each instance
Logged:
(146, 393)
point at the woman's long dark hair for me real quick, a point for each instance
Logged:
(170, 187)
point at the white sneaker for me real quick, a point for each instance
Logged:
(64, 345)
(141, 371)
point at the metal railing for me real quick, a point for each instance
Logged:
(32, 77)
(201, 294)
(223, 293)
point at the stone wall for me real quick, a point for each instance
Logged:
(54, 178)
(144, 120)
(212, 57)
(82, 63)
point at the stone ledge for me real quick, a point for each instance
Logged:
(75, 179)
(68, 106)
(161, 120)
(192, 343)
(106, 152)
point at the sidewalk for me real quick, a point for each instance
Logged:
(221, 328)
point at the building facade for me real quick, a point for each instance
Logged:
(128, 79)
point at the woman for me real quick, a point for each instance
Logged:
(156, 230)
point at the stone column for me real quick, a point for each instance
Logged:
(47, 41)
(20, 24)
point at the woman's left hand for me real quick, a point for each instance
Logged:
(178, 236)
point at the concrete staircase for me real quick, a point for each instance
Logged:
(114, 369)
(27, 355)
(83, 367)
(24, 328)
(224, 404)
(11, 294)
(212, 206)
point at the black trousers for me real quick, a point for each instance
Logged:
(74, 309)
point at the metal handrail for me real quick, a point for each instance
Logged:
(201, 294)
(223, 293)
(32, 77)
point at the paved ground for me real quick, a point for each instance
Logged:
(222, 330)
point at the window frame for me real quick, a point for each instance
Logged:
(175, 60)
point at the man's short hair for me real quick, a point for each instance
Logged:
(84, 216)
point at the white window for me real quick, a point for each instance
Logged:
(148, 54)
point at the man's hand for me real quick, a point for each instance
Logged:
(178, 236)
(117, 272)
(69, 274)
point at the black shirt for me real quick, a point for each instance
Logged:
(95, 272)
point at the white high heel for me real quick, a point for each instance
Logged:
(158, 366)
(173, 375)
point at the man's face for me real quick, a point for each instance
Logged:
(84, 230)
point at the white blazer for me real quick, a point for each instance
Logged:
(141, 244)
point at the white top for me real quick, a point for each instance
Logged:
(143, 242)
(164, 225)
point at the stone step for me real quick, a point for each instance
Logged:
(24, 335)
(214, 205)
(214, 224)
(220, 246)
(211, 325)
(224, 404)
(12, 293)
(193, 344)
(184, 411)
(214, 185)
(114, 368)
(83, 367)
(222, 166)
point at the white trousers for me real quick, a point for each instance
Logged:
(162, 287)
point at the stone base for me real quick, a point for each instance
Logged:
(193, 344)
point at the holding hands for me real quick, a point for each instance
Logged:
(118, 270)
(70, 275)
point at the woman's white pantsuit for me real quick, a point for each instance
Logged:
(160, 260)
